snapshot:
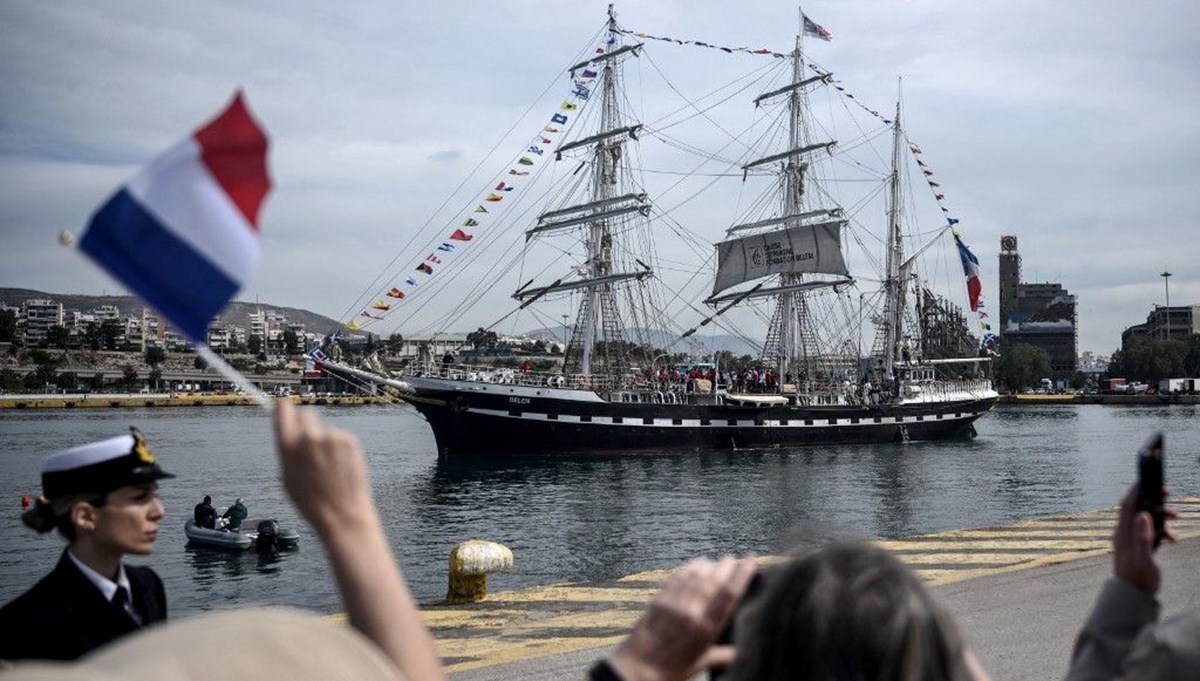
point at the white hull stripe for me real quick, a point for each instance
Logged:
(726, 423)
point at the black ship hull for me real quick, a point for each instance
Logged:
(470, 420)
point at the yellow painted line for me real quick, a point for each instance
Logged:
(486, 653)
(1004, 532)
(1062, 544)
(950, 558)
(483, 619)
(950, 576)
(574, 593)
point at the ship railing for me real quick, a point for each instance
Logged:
(949, 389)
(486, 373)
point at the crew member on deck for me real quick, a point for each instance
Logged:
(103, 497)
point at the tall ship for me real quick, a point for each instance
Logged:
(816, 267)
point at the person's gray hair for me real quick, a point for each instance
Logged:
(848, 612)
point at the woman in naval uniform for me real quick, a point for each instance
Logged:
(103, 498)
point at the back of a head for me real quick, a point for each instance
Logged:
(849, 612)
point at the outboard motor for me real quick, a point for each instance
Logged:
(268, 530)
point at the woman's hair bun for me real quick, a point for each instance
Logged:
(40, 517)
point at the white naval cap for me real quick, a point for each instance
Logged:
(100, 467)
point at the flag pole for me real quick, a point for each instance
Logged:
(215, 361)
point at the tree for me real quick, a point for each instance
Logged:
(482, 338)
(110, 331)
(154, 377)
(46, 366)
(68, 381)
(129, 378)
(254, 345)
(1020, 366)
(155, 355)
(93, 339)
(199, 363)
(58, 337)
(1078, 379)
(30, 382)
(291, 342)
(394, 343)
(9, 380)
(1152, 360)
(8, 326)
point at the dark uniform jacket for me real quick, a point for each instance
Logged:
(205, 515)
(65, 616)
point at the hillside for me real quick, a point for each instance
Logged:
(237, 313)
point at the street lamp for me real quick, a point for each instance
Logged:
(1167, 285)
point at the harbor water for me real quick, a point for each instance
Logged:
(590, 518)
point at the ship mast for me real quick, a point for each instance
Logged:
(604, 179)
(598, 314)
(792, 195)
(895, 285)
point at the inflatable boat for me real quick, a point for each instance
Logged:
(266, 536)
(219, 539)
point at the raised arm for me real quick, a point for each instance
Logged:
(325, 474)
(1127, 601)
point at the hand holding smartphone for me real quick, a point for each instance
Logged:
(1150, 485)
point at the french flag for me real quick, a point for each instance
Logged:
(183, 233)
(971, 269)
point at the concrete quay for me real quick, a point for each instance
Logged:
(1020, 593)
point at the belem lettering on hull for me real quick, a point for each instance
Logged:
(874, 356)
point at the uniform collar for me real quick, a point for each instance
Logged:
(106, 586)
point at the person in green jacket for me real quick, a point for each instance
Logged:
(236, 514)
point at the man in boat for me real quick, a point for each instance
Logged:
(236, 514)
(205, 515)
(447, 360)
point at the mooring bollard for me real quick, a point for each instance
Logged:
(470, 564)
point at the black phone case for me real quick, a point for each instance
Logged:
(1150, 485)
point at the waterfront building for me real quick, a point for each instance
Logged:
(1184, 323)
(107, 312)
(1039, 314)
(425, 346)
(37, 316)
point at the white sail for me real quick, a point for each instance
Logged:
(804, 249)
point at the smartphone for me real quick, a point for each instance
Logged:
(1150, 485)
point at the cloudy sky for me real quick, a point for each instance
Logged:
(1070, 125)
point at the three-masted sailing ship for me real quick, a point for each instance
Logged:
(811, 383)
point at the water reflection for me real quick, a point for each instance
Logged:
(210, 566)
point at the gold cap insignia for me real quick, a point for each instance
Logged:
(139, 447)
